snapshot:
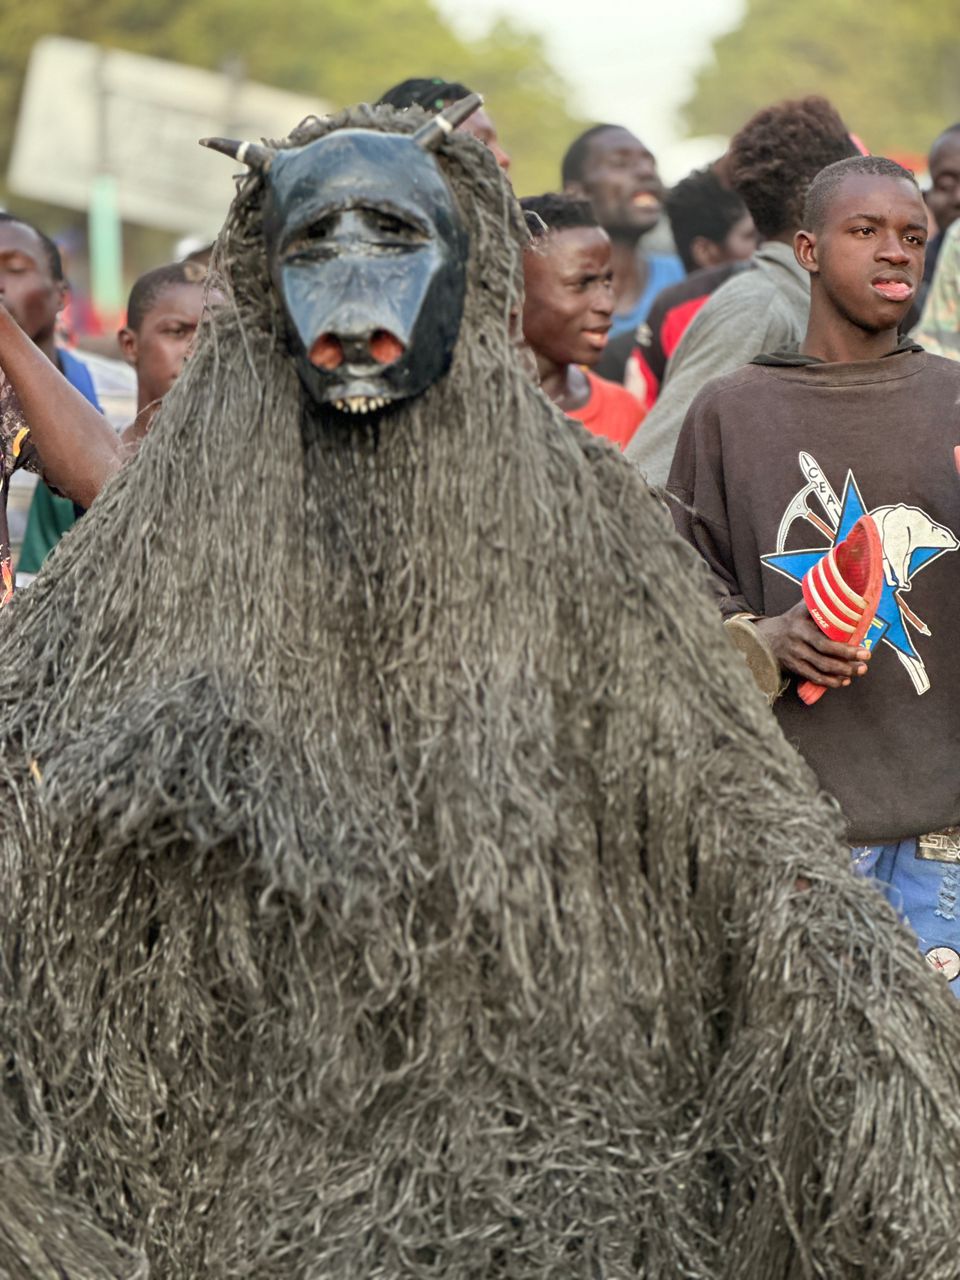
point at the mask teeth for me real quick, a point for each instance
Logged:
(360, 404)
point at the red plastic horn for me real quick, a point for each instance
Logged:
(842, 591)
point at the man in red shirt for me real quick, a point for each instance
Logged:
(567, 314)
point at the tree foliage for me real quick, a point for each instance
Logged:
(892, 70)
(341, 51)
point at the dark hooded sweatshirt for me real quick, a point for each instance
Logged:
(773, 462)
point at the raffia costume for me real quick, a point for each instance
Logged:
(398, 879)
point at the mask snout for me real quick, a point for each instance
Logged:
(375, 348)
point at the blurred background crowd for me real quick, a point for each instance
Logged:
(636, 220)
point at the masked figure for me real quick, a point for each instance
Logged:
(367, 251)
(395, 878)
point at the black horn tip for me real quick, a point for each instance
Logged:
(450, 118)
(248, 153)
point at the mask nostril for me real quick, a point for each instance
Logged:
(326, 352)
(384, 347)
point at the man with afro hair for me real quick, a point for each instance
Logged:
(771, 163)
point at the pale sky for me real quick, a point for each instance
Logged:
(628, 61)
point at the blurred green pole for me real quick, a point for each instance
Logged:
(104, 228)
(105, 236)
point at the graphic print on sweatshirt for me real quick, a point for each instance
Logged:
(911, 541)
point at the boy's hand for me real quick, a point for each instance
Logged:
(801, 647)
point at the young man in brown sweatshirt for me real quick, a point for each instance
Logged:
(774, 464)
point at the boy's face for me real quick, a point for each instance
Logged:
(620, 180)
(482, 128)
(27, 287)
(741, 240)
(867, 258)
(568, 301)
(738, 244)
(165, 338)
(943, 197)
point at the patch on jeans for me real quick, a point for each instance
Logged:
(940, 846)
(945, 960)
(946, 907)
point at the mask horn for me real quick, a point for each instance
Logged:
(248, 153)
(450, 118)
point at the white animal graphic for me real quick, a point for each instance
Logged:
(904, 530)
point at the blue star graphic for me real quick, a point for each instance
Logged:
(889, 623)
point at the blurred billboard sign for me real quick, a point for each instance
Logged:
(89, 112)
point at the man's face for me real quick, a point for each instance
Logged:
(741, 240)
(869, 252)
(27, 287)
(738, 244)
(943, 198)
(569, 299)
(165, 338)
(620, 180)
(481, 127)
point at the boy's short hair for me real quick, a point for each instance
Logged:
(148, 287)
(948, 132)
(556, 212)
(824, 186)
(574, 163)
(700, 205)
(54, 260)
(430, 92)
(778, 153)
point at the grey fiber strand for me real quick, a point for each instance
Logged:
(400, 878)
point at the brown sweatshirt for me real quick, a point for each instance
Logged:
(773, 463)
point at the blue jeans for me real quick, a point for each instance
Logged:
(926, 896)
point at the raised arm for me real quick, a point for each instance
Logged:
(78, 449)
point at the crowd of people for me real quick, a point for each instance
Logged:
(401, 873)
(776, 375)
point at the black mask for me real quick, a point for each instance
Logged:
(368, 252)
